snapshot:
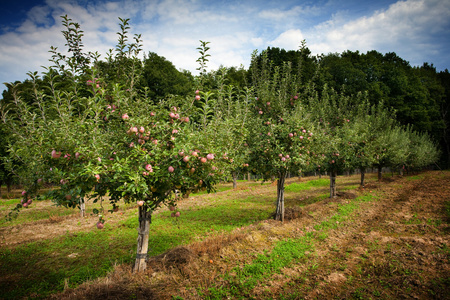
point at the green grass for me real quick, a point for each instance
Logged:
(302, 186)
(42, 267)
(416, 177)
(242, 280)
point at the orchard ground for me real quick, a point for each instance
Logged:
(387, 240)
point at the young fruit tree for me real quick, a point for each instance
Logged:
(365, 132)
(281, 135)
(102, 139)
(334, 112)
(231, 117)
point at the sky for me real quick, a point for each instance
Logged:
(416, 30)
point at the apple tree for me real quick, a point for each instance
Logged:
(115, 142)
(281, 134)
(335, 113)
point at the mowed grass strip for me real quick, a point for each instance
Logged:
(242, 280)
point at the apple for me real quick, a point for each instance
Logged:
(148, 167)
(172, 115)
(100, 225)
(29, 201)
(140, 203)
(291, 135)
(23, 193)
(97, 176)
(171, 169)
(172, 215)
(177, 214)
(186, 158)
(77, 155)
(171, 208)
(174, 131)
(203, 159)
(141, 129)
(56, 154)
(260, 112)
(194, 153)
(125, 117)
(68, 197)
(197, 97)
(192, 170)
(210, 156)
(197, 92)
(25, 205)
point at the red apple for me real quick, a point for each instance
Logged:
(177, 214)
(171, 169)
(125, 117)
(56, 154)
(186, 158)
(203, 159)
(210, 156)
(100, 225)
(140, 203)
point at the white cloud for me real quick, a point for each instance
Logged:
(173, 28)
(289, 40)
(405, 28)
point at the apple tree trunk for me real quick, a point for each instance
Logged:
(363, 174)
(145, 217)
(380, 175)
(279, 214)
(333, 175)
(82, 208)
(234, 179)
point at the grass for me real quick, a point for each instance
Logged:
(42, 268)
(302, 186)
(242, 280)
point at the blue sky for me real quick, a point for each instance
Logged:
(417, 30)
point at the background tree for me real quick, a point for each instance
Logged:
(162, 78)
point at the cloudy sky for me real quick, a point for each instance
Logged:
(417, 30)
